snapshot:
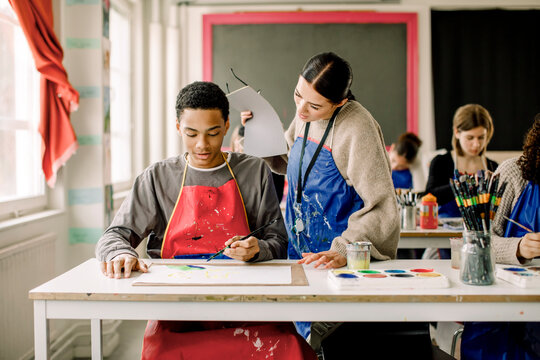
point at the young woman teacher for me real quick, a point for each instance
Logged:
(340, 187)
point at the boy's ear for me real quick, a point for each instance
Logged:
(227, 124)
(178, 124)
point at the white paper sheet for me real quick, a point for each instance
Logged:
(264, 132)
(215, 275)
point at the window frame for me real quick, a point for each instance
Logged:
(20, 206)
(126, 9)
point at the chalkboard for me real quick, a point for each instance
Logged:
(268, 51)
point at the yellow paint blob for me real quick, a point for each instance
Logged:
(431, 274)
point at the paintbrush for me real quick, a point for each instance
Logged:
(518, 224)
(243, 238)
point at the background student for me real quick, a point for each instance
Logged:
(197, 203)
(520, 202)
(402, 154)
(472, 130)
(513, 245)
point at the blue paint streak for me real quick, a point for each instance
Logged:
(514, 269)
(196, 267)
(347, 276)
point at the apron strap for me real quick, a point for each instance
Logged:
(239, 192)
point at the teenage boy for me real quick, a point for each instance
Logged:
(195, 204)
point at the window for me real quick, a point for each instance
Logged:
(22, 184)
(121, 119)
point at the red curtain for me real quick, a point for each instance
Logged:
(58, 97)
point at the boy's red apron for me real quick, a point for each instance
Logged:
(203, 219)
(184, 340)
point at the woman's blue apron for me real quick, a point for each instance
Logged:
(327, 202)
(402, 179)
(508, 340)
(526, 212)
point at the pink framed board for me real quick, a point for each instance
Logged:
(247, 42)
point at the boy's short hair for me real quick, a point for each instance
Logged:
(202, 95)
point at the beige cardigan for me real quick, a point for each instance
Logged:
(359, 153)
(506, 248)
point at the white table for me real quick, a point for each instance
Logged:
(423, 238)
(84, 293)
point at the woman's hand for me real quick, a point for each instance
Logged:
(242, 249)
(113, 268)
(529, 246)
(330, 259)
(245, 116)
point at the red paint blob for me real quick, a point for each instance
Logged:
(421, 270)
(373, 276)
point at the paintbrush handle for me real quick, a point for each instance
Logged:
(518, 224)
(242, 238)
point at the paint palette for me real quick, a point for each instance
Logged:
(525, 277)
(388, 279)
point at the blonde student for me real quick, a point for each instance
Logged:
(471, 132)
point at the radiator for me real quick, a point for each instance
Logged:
(23, 266)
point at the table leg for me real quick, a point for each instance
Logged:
(41, 331)
(96, 339)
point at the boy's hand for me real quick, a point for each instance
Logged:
(242, 249)
(330, 259)
(113, 268)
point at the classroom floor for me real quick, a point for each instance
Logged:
(132, 331)
(131, 338)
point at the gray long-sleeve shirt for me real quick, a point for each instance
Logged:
(151, 202)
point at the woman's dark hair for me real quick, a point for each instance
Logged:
(529, 162)
(330, 75)
(407, 146)
(202, 95)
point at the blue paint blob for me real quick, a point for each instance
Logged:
(395, 271)
(347, 276)
(514, 269)
(196, 267)
(525, 274)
